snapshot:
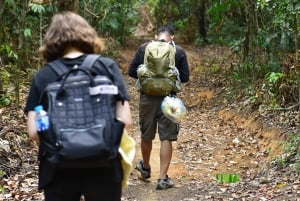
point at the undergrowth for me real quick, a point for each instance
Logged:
(272, 93)
(291, 156)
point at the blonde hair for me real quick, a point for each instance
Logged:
(68, 29)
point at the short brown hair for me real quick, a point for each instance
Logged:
(68, 29)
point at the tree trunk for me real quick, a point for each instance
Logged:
(201, 20)
(2, 8)
(297, 52)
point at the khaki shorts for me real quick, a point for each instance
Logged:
(152, 119)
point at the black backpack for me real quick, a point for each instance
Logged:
(84, 131)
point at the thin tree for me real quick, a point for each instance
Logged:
(201, 20)
(297, 65)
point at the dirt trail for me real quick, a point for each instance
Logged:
(212, 140)
(142, 190)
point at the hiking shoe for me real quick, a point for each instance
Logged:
(163, 184)
(145, 172)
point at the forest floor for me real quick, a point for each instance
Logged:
(215, 137)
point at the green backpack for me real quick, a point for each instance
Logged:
(158, 76)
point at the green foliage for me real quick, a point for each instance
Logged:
(27, 32)
(242, 74)
(273, 87)
(10, 76)
(182, 15)
(6, 50)
(4, 100)
(37, 8)
(260, 33)
(7, 55)
(229, 20)
(113, 49)
(2, 173)
(24, 24)
(227, 178)
(236, 45)
(2, 190)
(272, 78)
(265, 84)
(291, 154)
(226, 21)
(279, 89)
(111, 18)
(282, 29)
(292, 145)
(280, 161)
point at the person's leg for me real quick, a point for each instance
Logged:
(148, 107)
(97, 190)
(165, 158)
(168, 132)
(146, 148)
(62, 190)
(143, 165)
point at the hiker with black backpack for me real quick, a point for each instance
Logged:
(160, 67)
(87, 103)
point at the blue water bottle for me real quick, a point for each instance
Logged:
(41, 118)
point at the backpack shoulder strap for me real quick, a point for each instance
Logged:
(89, 61)
(147, 52)
(172, 54)
(58, 67)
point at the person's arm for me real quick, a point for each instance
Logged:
(31, 127)
(182, 65)
(137, 60)
(123, 114)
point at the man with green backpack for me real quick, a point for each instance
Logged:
(160, 67)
